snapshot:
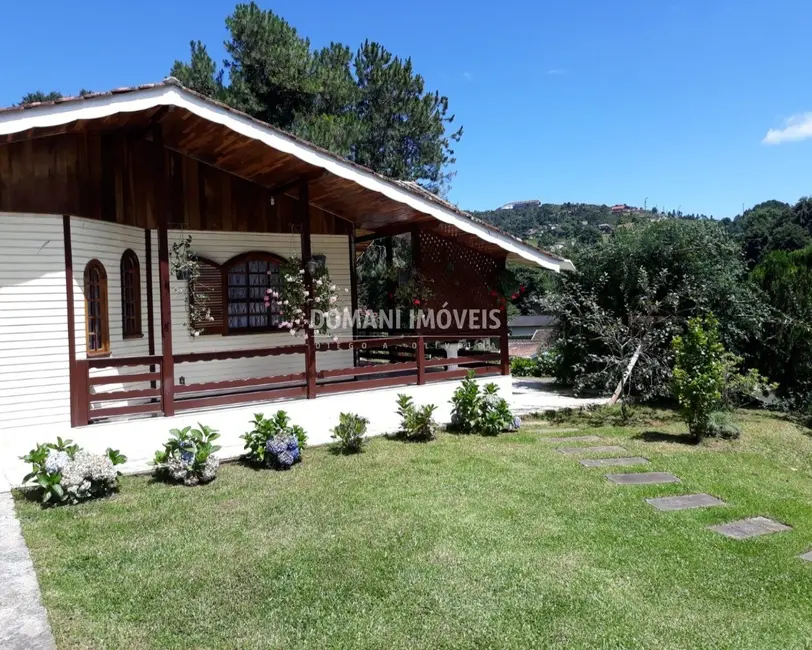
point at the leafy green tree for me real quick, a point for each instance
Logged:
(785, 352)
(700, 372)
(638, 289)
(771, 226)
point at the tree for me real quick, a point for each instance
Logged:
(201, 73)
(700, 371)
(371, 107)
(771, 226)
(785, 352)
(638, 289)
(40, 96)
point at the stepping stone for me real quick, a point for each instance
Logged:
(574, 439)
(746, 528)
(807, 557)
(642, 478)
(685, 502)
(607, 449)
(617, 462)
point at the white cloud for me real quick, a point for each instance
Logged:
(556, 72)
(797, 127)
(469, 76)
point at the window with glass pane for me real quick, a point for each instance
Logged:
(248, 283)
(96, 325)
(130, 295)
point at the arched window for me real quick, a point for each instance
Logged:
(247, 278)
(130, 295)
(97, 327)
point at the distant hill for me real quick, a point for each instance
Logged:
(551, 224)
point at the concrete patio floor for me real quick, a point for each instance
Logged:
(139, 439)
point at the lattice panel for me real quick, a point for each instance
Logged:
(462, 277)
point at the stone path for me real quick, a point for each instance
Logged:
(743, 529)
(746, 528)
(23, 621)
(685, 502)
(615, 462)
(574, 439)
(605, 449)
(807, 557)
(643, 478)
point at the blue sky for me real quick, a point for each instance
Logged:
(602, 101)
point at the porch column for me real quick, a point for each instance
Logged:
(503, 342)
(76, 385)
(353, 289)
(307, 254)
(150, 301)
(161, 211)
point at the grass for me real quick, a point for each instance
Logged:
(465, 542)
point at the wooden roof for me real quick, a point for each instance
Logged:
(227, 139)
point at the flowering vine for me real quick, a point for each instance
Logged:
(294, 297)
(186, 267)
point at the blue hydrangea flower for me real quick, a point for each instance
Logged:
(293, 443)
(187, 457)
(517, 422)
(285, 458)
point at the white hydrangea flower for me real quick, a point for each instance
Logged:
(56, 461)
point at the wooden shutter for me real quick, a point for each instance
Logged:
(210, 284)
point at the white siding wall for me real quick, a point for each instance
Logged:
(220, 247)
(34, 379)
(106, 242)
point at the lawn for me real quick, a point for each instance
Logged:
(465, 542)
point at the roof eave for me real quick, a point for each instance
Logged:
(172, 94)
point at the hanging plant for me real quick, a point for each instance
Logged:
(184, 264)
(415, 292)
(508, 289)
(294, 296)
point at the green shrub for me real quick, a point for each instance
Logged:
(699, 373)
(524, 367)
(721, 425)
(416, 422)
(481, 412)
(707, 377)
(270, 438)
(188, 456)
(349, 434)
(65, 473)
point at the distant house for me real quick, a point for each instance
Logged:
(606, 228)
(531, 326)
(622, 207)
(518, 205)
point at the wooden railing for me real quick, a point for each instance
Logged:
(86, 395)
(413, 364)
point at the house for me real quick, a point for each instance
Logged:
(606, 229)
(99, 198)
(518, 205)
(530, 326)
(621, 207)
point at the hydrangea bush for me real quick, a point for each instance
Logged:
(483, 411)
(188, 456)
(274, 442)
(416, 422)
(349, 433)
(66, 474)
